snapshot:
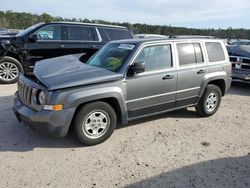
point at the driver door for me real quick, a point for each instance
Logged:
(154, 90)
(48, 45)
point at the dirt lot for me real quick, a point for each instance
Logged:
(178, 149)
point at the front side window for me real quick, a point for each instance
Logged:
(49, 33)
(156, 57)
(189, 53)
(111, 56)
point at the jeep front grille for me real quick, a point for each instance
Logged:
(24, 93)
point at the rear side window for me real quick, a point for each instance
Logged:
(215, 51)
(116, 34)
(189, 53)
(156, 57)
(80, 33)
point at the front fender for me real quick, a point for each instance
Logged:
(80, 97)
(3, 50)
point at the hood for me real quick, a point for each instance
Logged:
(6, 37)
(241, 50)
(68, 71)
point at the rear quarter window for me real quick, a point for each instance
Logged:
(116, 34)
(215, 51)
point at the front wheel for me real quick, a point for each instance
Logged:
(9, 70)
(210, 101)
(94, 123)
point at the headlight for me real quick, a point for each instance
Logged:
(6, 42)
(41, 97)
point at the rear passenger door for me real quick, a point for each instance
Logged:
(80, 39)
(191, 71)
(154, 90)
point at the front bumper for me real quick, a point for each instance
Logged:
(55, 123)
(241, 74)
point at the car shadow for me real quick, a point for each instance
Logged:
(179, 114)
(15, 136)
(225, 172)
(18, 137)
(239, 88)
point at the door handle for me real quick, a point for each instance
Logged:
(61, 46)
(167, 77)
(201, 71)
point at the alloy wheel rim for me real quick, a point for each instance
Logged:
(8, 71)
(211, 102)
(96, 124)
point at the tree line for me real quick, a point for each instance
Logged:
(22, 20)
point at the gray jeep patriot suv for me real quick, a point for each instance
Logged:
(125, 80)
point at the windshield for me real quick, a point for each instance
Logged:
(111, 56)
(24, 32)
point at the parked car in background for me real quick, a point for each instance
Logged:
(241, 42)
(235, 45)
(191, 37)
(146, 36)
(240, 59)
(10, 32)
(124, 81)
(3, 30)
(19, 53)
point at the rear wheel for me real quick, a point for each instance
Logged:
(94, 123)
(210, 101)
(9, 70)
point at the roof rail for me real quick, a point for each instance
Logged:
(191, 37)
(92, 24)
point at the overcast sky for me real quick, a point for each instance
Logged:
(186, 13)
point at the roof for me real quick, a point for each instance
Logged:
(192, 36)
(89, 24)
(151, 35)
(149, 40)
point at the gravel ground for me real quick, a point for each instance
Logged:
(177, 149)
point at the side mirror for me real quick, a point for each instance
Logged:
(137, 67)
(33, 38)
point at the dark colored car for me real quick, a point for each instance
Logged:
(241, 42)
(19, 53)
(240, 59)
(124, 81)
(9, 33)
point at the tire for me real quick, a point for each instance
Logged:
(94, 123)
(210, 101)
(9, 70)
